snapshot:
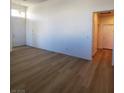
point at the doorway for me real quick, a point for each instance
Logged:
(103, 31)
(18, 31)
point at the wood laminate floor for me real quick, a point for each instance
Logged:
(40, 71)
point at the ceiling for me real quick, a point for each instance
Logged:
(27, 2)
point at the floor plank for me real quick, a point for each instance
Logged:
(40, 71)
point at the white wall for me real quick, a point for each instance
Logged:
(11, 37)
(64, 26)
(18, 28)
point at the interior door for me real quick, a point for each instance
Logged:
(108, 36)
(18, 31)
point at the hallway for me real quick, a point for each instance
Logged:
(105, 56)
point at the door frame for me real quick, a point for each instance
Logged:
(93, 13)
(97, 34)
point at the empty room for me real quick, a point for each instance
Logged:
(62, 46)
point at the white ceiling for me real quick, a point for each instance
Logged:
(27, 2)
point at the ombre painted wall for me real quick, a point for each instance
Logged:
(64, 26)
